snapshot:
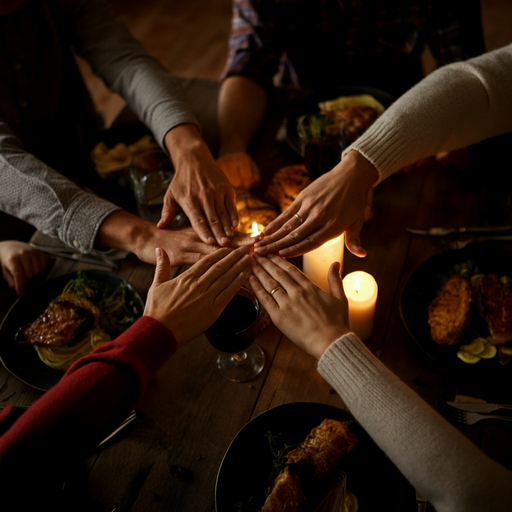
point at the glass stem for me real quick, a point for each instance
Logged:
(239, 358)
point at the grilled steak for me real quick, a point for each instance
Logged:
(309, 466)
(495, 301)
(450, 312)
(65, 321)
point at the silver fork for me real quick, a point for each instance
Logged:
(460, 244)
(464, 417)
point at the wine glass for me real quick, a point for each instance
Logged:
(233, 334)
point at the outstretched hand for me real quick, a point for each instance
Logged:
(200, 188)
(308, 316)
(20, 262)
(188, 304)
(332, 204)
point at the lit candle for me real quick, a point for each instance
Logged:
(256, 229)
(316, 263)
(361, 291)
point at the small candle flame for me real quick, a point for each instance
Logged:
(255, 229)
(357, 285)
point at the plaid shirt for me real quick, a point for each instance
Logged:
(316, 44)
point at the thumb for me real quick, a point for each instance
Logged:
(334, 279)
(163, 267)
(169, 210)
(336, 287)
(353, 239)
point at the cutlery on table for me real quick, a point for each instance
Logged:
(465, 417)
(96, 257)
(460, 244)
(126, 422)
(440, 231)
(478, 407)
(421, 501)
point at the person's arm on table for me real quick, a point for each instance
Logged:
(20, 262)
(448, 470)
(453, 107)
(241, 108)
(199, 187)
(100, 389)
(160, 103)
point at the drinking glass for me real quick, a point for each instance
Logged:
(151, 173)
(233, 334)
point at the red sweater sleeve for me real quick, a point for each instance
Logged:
(91, 399)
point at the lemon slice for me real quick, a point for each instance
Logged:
(467, 357)
(476, 347)
(489, 351)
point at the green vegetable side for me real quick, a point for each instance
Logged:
(115, 315)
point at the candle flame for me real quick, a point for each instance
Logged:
(255, 230)
(357, 285)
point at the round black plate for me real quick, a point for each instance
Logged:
(247, 464)
(421, 288)
(309, 105)
(22, 360)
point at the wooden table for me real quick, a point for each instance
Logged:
(190, 413)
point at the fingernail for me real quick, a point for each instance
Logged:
(271, 256)
(211, 240)
(225, 241)
(234, 223)
(158, 253)
(262, 250)
(256, 256)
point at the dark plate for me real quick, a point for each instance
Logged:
(247, 464)
(22, 360)
(421, 289)
(309, 105)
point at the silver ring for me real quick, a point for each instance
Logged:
(275, 290)
(299, 217)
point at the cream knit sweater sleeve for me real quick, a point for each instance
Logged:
(447, 469)
(455, 106)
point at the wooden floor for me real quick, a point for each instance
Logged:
(189, 37)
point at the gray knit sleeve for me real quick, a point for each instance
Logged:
(39, 195)
(121, 61)
(453, 107)
(437, 459)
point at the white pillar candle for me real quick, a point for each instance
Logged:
(315, 264)
(361, 291)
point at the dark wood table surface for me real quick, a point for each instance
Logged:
(190, 413)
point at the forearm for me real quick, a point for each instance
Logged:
(241, 109)
(121, 61)
(439, 461)
(184, 143)
(456, 106)
(92, 398)
(39, 195)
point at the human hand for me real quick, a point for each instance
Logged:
(190, 303)
(457, 157)
(304, 313)
(333, 203)
(240, 169)
(20, 262)
(200, 188)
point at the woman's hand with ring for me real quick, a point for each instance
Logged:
(332, 204)
(307, 315)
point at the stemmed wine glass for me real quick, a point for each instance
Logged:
(233, 334)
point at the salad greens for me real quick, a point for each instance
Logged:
(115, 315)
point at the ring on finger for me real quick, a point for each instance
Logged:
(275, 290)
(299, 217)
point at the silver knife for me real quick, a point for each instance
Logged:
(76, 256)
(476, 407)
(438, 231)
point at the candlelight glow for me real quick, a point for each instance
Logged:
(357, 286)
(256, 229)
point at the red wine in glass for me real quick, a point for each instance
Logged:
(233, 334)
